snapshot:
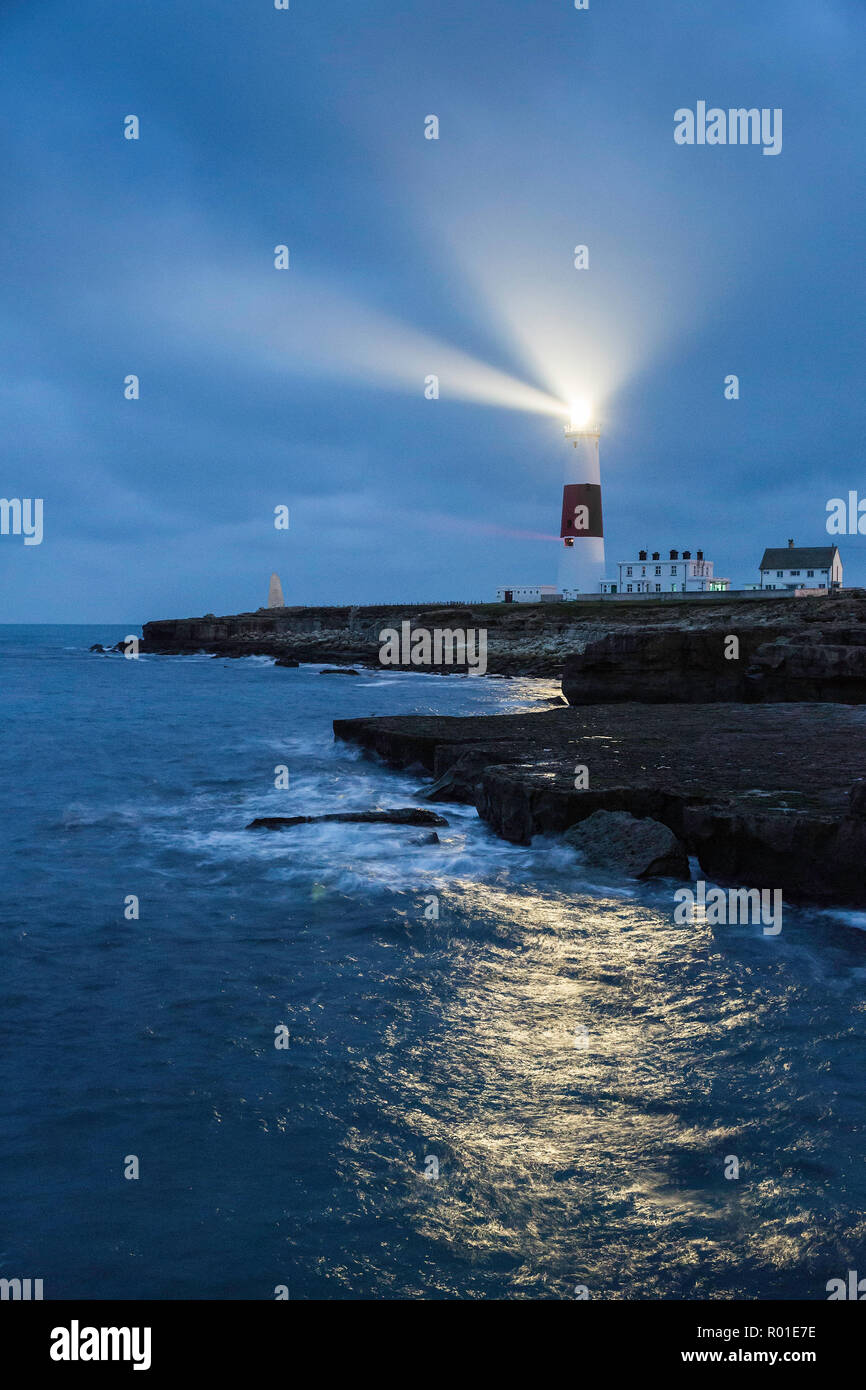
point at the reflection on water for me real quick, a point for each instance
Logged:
(589, 1072)
(503, 1079)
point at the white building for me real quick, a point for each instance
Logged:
(802, 567)
(528, 593)
(676, 574)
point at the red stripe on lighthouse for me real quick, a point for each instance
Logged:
(581, 510)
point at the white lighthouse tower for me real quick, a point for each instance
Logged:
(581, 561)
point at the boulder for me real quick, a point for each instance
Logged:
(431, 839)
(97, 647)
(639, 848)
(336, 670)
(285, 661)
(403, 815)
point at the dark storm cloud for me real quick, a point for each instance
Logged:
(409, 256)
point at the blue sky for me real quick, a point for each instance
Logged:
(412, 257)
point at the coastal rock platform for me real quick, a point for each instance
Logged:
(525, 639)
(764, 795)
(690, 665)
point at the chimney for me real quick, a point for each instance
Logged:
(687, 554)
(675, 554)
(700, 555)
(790, 545)
(656, 555)
(641, 555)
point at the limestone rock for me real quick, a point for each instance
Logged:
(659, 665)
(459, 781)
(403, 815)
(639, 848)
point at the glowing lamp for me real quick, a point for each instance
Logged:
(580, 412)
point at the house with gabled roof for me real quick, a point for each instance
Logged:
(802, 567)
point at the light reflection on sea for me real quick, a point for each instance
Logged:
(458, 1038)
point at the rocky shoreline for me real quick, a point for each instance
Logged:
(738, 726)
(521, 639)
(825, 663)
(764, 796)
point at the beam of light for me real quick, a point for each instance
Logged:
(579, 332)
(582, 334)
(350, 513)
(442, 523)
(302, 326)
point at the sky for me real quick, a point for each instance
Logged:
(408, 258)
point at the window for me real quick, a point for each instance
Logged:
(810, 574)
(793, 572)
(628, 588)
(658, 588)
(643, 569)
(628, 571)
(658, 571)
(673, 569)
(778, 576)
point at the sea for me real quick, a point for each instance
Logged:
(332, 1062)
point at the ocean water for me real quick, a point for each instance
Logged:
(536, 1092)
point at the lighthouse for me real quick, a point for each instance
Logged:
(581, 561)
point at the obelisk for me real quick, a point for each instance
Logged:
(275, 593)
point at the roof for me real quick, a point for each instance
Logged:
(818, 557)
